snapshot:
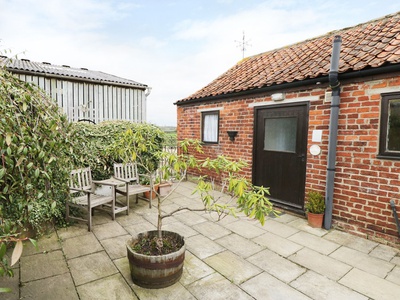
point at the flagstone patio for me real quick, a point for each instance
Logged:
(231, 259)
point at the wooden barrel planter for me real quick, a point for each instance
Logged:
(155, 271)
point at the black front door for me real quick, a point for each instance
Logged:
(280, 148)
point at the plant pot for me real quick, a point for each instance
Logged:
(152, 193)
(155, 271)
(165, 188)
(315, 220)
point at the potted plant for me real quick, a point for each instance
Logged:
(315, 208)
(156, 257)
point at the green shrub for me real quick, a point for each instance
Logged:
(93, 142)
(35, 149)
(315, 203)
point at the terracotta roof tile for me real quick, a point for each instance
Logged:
(367, 45)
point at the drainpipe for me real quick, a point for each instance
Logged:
(333, 129)
(396, 218)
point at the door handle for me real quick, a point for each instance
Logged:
(302, 156)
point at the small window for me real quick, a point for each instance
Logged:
(210, 126)
(389, 140)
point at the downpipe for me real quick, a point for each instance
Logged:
(333, 130)
(396, 218)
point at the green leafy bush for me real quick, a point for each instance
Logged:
(315, 203)
(35, 149)
(93, 142)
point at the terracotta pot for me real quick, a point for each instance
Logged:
(315, 220)
(153, 192)
(155, 271)
(165, 188)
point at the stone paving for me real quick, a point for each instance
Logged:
(231, 259)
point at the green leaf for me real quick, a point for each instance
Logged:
(34, 243)
(5, 290)
(8, 139)
(37, 171)
(2, 172)
(3, 250)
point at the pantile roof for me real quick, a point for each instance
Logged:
(47, 69)
(368, 45)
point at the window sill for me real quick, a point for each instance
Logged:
(392, 157)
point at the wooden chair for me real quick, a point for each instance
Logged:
(128, 174)
(83, 196)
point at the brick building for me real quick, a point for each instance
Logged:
(279, 104)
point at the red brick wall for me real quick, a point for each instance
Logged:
(364, 184)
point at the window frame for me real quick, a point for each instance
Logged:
(383, 131)
(203, 116)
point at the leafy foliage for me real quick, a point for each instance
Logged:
(242, 195)
(35, 148)
(315, 203)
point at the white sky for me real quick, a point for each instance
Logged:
(174, 46)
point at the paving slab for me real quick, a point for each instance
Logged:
(245, 229)
(276, 265)
(60, 287)
(109, 288)
(302, 224)
(265, 286)
(278, 244)
(233, 267)
(81, 245)
(239, 245)
(317, 286)
(108, 230)
(351, 241)
(173, 292)
(13, 284)
(45, 243)
(320, 263)
(74, 230)
(211, 230)
(180, 228)
(42, 265)
(116, 246)
(140, 227)
(286, 218)
(202, 247)
(314, 242)
(190, 218)
(363, 261)
(396, 260)
(216, 287)
(128, 220)
(370, 285)
(91, 267)
(194, 269)
(394, 275)
(384, 252)
(279, 228)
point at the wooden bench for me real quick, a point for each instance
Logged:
(128, 174)
(83, 196)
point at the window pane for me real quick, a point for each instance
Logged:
(210, 130)
(280, 134)
(393, 134)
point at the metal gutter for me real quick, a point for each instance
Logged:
(333, 130)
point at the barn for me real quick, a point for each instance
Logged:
(84, 94)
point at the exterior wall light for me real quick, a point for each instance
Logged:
(278, 97)
(232, 135)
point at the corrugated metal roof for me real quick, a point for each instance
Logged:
(47, 69)
(369, 45)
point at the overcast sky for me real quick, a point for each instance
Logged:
(174, 46)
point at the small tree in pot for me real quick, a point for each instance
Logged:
(315, 208)
(166, 248)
